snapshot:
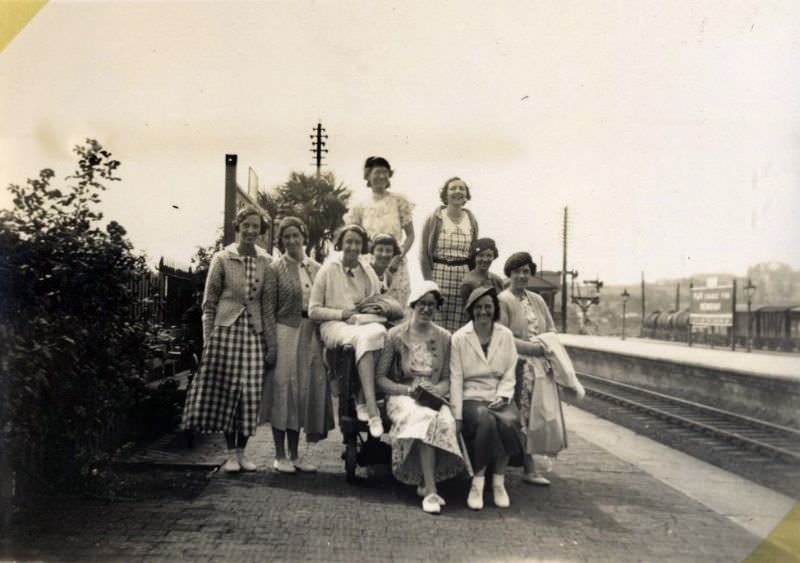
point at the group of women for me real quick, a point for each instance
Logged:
(458, 364)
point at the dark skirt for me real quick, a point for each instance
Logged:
(491, 434)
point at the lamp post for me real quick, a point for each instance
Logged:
(749, 290)
(625, 295)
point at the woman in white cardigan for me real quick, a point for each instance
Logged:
(483, 361)
(340, 286)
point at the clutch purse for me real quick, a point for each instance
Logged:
(428, 398)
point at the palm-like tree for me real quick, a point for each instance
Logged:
(318, 200)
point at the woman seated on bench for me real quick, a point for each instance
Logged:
(340, 286)
(424, 443)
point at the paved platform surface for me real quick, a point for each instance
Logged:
(772, 365)
(599, 508)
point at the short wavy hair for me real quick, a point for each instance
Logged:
(246, 212)
(443, 190)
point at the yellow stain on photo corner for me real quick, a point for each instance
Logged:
(783, 543)
(14, 15)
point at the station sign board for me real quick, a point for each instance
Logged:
(712, 306)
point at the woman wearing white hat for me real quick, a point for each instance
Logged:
(425, 446)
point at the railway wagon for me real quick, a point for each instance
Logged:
(773, 328)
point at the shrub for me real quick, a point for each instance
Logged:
(71, 349)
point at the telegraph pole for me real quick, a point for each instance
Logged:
(318, 142)
(564, 275)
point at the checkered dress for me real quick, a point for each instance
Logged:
(225, 394)
(452, 245)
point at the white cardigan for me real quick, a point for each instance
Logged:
(473, 375)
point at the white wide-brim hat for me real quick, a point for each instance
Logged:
(427, 286)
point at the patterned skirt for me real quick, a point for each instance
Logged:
(413, 424)
(448, 278)
(225, 394)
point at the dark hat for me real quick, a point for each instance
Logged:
(483, 244)
(479, 292)
(517, 260)
(373, 161)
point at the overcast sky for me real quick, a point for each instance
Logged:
(671, 130)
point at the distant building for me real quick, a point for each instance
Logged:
(547, 284)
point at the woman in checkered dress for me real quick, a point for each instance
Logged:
(447, 237)
(239, 341)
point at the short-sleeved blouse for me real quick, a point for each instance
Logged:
(388, 214)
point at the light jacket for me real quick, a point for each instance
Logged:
(329, 297)
(225, 296)
(289, 306)
(478, 377)
(395, 360)
(430, 238)
(512, 314)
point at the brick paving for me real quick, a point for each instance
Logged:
(599, 508)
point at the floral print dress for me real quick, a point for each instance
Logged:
(412, 422)
(389, 215)
(530, 366)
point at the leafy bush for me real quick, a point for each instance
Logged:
(71, 348)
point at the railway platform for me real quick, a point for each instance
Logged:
(768, 364)
(615, 496)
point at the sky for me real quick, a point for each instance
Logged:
(670, 130)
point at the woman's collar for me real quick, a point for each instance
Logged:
(301, 262)
(233, 248)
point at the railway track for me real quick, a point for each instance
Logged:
(762, 451)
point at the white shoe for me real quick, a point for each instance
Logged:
(500, 495)
(375, 427)
(304, 466)
(283, 465)
(432, 504)
(232, 465)
(475, 497)
(536, 479)
(244, 463)
(362, 413)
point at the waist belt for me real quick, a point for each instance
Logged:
(304, 314)
(458, 262)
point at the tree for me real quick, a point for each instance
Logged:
(70, 350)
(318, 200)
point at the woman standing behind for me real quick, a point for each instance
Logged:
(526, 314)
(447, 237)
(483, 362)
(386, 212)
(340, 286)
(482, 254)
(239, 336)
(424, 442)
(296, 394)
